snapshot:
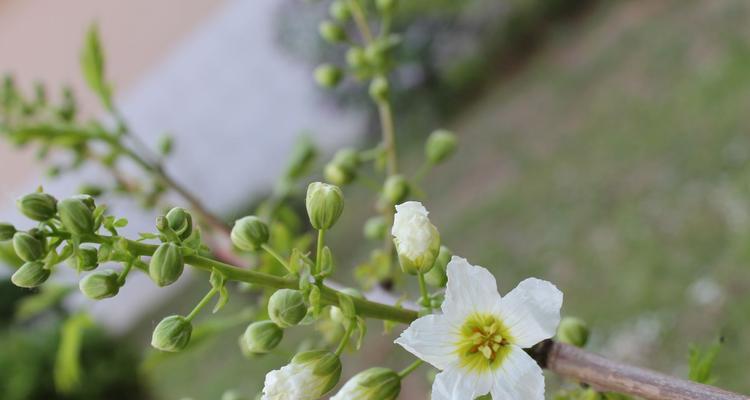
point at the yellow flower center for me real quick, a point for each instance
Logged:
(484, 342)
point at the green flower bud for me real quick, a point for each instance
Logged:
(309, 375)
(396, 189)
(343, 167)
(332, 32)
(371, 384)
(77, 215)
(336, 314)
(324, 204)
(573, 331)
(100, 285)
(356, 57)
(166, 264)
(172, 334)
(386, 6)
(180, 221)
(38, 206)
(437, 276)
(440, 145)
(249, 233)
(287, 307)
(262, 336)
(30, 275)
(302, 157)
(6, 231)
(27, 247)
(375, 228)
(87, 258)
(339, 11)
(379, 89)
(327, 75)
(87, 199)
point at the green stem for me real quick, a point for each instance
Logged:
(125, 272)
(360, 19)
(408, 370)
(276, 255)
(345, 340)
(425, 300)
(389, 136)
(201, 304)
(319, 251)
(422, 171)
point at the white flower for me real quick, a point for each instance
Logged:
(372, 384)
(479, 339)
(417, 240)
(307, 377)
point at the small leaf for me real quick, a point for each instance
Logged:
(347, 306)
(93, 66)
(121, 223)
(218, 282)
(314, 299)
(326, 263)
(362, 328)
(702, 362)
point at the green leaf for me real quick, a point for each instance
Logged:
(218, 282)
(121, 223)
(67, 370)
(93, 66)
(347, 306)
(701, 362)
(314, 299)
(362, 328)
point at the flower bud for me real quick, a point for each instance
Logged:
(438, 276)
(166, 264)
(87, 199)
(180, 221)
(302, 157)
(27, 247)
(331, 32)
(573, 331)
(356, 58)
(30, 275)
(38, 206)
(249, 233)
(287, 307)
(440, 145)
(87, 258)
(327, 75)
(417, 240)
(386, 6)
(336, 314)
(324, 204)
(262, 336)
(375, 228)
(100, 285)
(6, 231)
(308, 376)
(395, 189)
(371, 384)
(379, 89)
(339, 11)
(77, 215)
(343, 167)
(172, 334)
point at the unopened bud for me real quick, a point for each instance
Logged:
(324, 204)
(172, 334)
(417, 240)
(309, 375)
(30, 275)
(38, 206)
(438, 276)
(379, 89)
(573, 331)
(87, 199)
(180, 221)
(166, 264)
(287, 307)
(87, 258)
(356, 57)
(6, 231)
(249, 233)
(262, 336)
(339, 11)
(27, 247)
(395, 189)
(77, 215)
(327, 75)
(440, 145)
(375, 228)
(332, 32)
(100, 285)
(372, 384)
(343, 167)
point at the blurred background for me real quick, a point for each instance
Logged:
(604, 146)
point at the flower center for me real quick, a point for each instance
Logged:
(484, 342)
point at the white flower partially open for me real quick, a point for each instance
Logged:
(478, 341)
(417, 240)
(307, 377)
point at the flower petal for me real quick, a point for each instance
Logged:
(431, 338)
(456, 384)
(470, 289)
(518, 378)
(531, 311)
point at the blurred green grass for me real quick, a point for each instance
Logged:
(616, 164)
